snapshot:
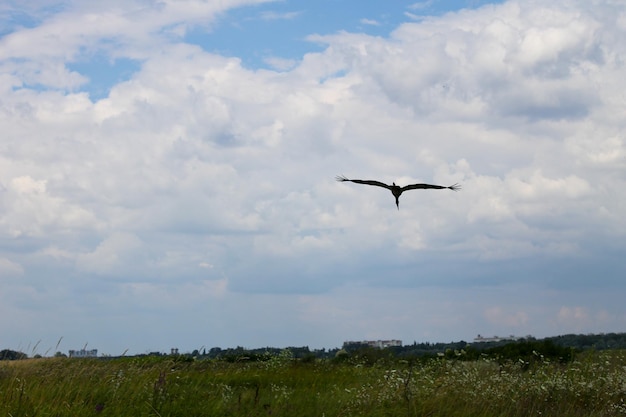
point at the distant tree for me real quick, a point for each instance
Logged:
(11, 355)
(215, 352)
(592, 341)
(300, 352)
(308, 358)
(60, 355)
(532, 351)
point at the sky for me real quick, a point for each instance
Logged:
(167, 172)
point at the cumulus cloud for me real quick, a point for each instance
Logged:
(198, 168)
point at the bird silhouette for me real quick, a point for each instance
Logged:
(396, 190)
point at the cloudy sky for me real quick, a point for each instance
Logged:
(167, 172)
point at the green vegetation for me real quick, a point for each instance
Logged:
(11, 355)
(523, 380)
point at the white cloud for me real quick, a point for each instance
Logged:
(281, 64)
(273, 15)
(370, 22)
(112, 255)
(506, 319)
(31, 210)
(26, 185)
(575, 319)
(197, 168)
(421, 5)
(9, 268)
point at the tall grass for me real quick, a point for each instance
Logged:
(592, 385)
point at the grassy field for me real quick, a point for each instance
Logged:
(594, 384)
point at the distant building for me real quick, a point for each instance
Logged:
(83, 353)
(379, 344)
(481, 339)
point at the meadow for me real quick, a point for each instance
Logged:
(591, 384)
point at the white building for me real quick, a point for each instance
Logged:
(83, 353)
(480, 339)
(380, 344)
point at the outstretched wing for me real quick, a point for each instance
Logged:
(367, 182)
(454, 187)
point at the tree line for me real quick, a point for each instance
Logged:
(556, 347)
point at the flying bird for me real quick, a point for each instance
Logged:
(396, 190)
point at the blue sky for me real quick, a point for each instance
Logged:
(281, 29)
(261, 34)
(167, 172)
